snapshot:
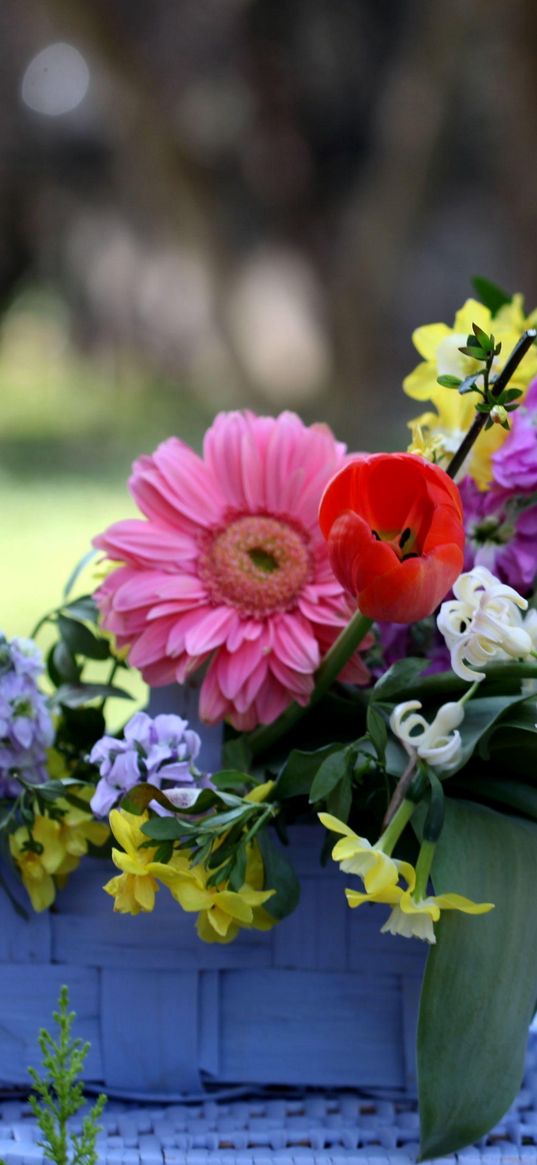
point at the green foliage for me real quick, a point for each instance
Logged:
(399, 678)
(300, 769)
(480, 983)
(58, 1093)
(493, 296)
(279, 876)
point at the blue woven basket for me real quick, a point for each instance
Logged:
(322, 999)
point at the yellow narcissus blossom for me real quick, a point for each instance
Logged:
(441, 432)
(134, 889)
(356, 855)
(222, 912)
(412, 917)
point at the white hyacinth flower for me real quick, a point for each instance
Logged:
(438, 743)
(483, 623)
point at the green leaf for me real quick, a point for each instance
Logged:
(164, 828)
(485, 341)
(331, 772)
(237, 873)
(231, 779)
(76, 695)
(398, 678)
(509, 395)
(299, 770)
(517, 796)
(339, 801)
(490, 294)
(481, 715)
(237, 754)
(448, 381)
(480, 983)
(474, 351)
(61, 665)
(220, 821)
(138, 798)
(376, 727)
(81, 641)
(84, 608)
(469, 384)
(279, 876)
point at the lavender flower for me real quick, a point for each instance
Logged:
(159, 750)
(515, 463)
(26, 729)
(500, 533)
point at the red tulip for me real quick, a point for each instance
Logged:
(394, 526)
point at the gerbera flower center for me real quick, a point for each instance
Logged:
(257, 564)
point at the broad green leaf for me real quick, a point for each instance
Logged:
(279, 876)
(490, 294)
(332, 770)
(480, 982)
(299, 770)
(514, 794)
(399, 677)
(480, 715)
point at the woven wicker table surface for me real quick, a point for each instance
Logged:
(332, 1128)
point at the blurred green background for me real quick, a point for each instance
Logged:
(211, 204)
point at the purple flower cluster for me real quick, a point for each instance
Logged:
(26, 728)
(501, 532)
(159, 750)
(515, 463)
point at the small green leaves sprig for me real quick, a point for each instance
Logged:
(216, 829)
(484, 348)
(58, 1093)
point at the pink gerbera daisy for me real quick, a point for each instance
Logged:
(230, 568)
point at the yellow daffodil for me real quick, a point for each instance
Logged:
(440, 433)
(356, 855)
(413, 918)
(37, 869)
(134, 889)
(222, 912)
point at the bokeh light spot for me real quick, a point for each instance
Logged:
(56, 80)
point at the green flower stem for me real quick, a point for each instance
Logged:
(333, 663)
(468, 695)
(501, 382)
(445, 683)
(423, 869)
(393, 831)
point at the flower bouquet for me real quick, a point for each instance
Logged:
(362, 624)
